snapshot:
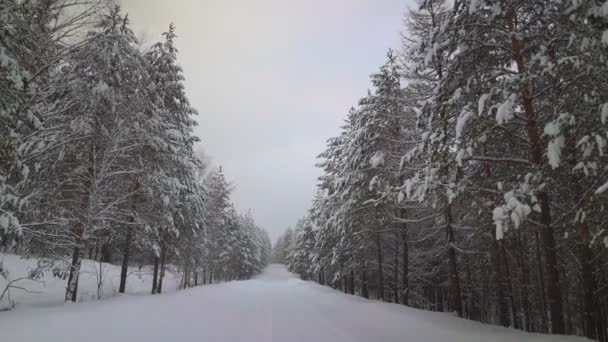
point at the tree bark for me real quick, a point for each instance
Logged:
(380, 274)
(364, 287)
(541, 284)
(106, 253)
(588, 282)
(522, 257)
(321, 277)
(163, 252)
(71, 293)
(503, 313)
(396, 272)
(585, 254)
(553, 287)
(454, 280)
(405, 291)
(513, 310)
(155, 275)
(125, 259)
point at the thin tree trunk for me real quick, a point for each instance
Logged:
(364, 287)
(155, 275)
(514, 314)
(163, 253)
(541, 285)
(525, 280)
(588, 282)
(503, 313)
(125, 259)
(106, 253)
(71, 293)
(405, 291)
(553, 285)
(380, 274)
(454, 280)
(396, 272)
(97, 247)
(585, 254)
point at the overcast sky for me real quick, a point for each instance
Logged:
(272, 80)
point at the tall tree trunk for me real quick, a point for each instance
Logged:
(380, 274)
(352, 282)
(96, 252)
(155, 275)
(125, 259)
(522, 258)
(541, 285)
(106, 253)
(396, 271)
(204, 276)
(405, 291)
(454, 280)
(513, 310)
(585, 254)
(503, 312)
(127, 247)
(439, 298)
(553, 286)
(163, 252)
(71, 293)
(588, 282)
(364, 287)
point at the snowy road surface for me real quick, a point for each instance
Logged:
(274, 307)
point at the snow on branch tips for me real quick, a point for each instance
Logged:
(513, 211)
(504, 113)
(377, 160)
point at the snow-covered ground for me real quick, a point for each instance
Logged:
(50, 290)
(276, 306)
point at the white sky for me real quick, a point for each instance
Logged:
(272, 80)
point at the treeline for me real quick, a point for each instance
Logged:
(473, 178)
(97, 155)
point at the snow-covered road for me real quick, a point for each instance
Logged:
(274, 307)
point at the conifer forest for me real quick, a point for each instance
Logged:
(468, 186)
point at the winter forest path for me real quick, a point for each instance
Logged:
(276, 306)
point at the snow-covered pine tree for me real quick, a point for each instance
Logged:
(34, 40)
(173, 167)
(94, 175)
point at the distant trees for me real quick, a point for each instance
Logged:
(97, 152)
(473, 177)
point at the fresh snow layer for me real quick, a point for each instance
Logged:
(50, 290)
(276, 306)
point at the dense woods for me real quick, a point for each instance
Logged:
(97, 153)
(473, 177)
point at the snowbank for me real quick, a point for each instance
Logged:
(49, 290)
